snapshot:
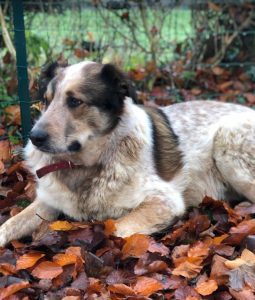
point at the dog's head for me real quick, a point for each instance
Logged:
(86, 101)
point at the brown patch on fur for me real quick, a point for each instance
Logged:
(167, 155)
(130, 148)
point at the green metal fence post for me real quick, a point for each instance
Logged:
(21, 58)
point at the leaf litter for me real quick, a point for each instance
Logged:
(207, 254)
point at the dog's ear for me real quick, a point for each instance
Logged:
(48, 72)
(118, 82)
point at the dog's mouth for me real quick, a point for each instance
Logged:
(75, 146)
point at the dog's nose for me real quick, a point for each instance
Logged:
(39, 137)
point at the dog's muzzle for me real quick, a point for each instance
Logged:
(39, 137)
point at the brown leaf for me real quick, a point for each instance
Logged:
(196, 91)
(146, 286)
(5, 150)
(195, 225)
(217, 71)
(13, 114)
(109, 227)
(245, 208)
(200, 249)
(63, 259)
(250, 97)
(219, 271)
(2, 167)
(62, 226)
(158, 248)
(224, 86)
(241, 231)
(120, 288)
(47, 270)
(214, 6)
(186, 293)
(147, 265)
(207, 287)
(179, 254)
(13, 288)
(136, 245)
(247, 257)
(7, 269)
(187, 270)
(81, 53)
(120, 276)
(242, 295)
(28, 260)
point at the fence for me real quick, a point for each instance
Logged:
(174, 50)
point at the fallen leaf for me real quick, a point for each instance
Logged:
(186, 293)
(13, 114)
(5, 150)
(136, 245)
(219, 272)
(28, 260)
(2, 167)
(109, 227)
(245, 210)
(242, 295)
(7, 269)
(250, 97)
(240, 232)
(206, 288)
(62, 226)
(120, 288)
(155, 247)
(187, 270)
(224, 86)
(214, 6)
(13, 288)
(218, 71)
(63, 259)
(195, 225)
(146, 286)
(146, 265)
(47, 270)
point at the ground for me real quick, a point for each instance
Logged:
(207, 254)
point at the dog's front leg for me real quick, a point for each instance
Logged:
(152, 215)
(26, 221)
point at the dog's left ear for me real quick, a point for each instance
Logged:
(48, 72)
(118, 82)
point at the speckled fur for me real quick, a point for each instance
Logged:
(217, 142)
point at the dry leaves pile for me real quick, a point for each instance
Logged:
(208, 254)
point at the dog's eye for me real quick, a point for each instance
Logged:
(73, 102)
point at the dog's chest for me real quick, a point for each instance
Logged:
(98, 198)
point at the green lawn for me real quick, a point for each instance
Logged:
(46, 32)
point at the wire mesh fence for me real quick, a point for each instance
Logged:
(173, 50)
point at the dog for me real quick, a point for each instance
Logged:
(98, 155)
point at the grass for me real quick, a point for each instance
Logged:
(49, 31)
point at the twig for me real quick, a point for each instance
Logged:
(229, 40)
(6, 36)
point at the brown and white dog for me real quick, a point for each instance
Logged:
(140, 166)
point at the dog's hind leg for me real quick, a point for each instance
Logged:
(234, 155)
(26, 222)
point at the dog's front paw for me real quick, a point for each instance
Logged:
(125, 229)
(3, 237)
